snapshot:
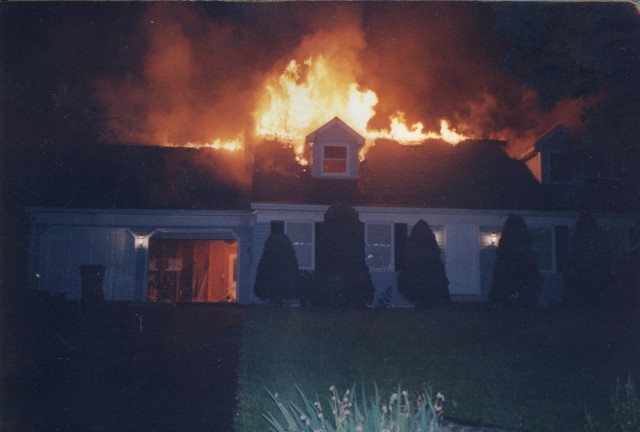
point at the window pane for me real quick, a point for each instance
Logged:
(379, 257)
(379, 246)
(334, 166)
(335, 152)
(300, 232)
(378, 234)
(301, 236)
(304, 256)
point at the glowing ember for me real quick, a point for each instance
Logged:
(305, 96)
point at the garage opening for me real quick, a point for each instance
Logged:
(185, 270)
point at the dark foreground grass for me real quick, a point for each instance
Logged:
(119, 367)
(534, 371)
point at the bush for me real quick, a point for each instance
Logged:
(342, 277)
(516, 279)
(278, 273)
(625, 411)
(348, 414)
(588, 276)
(422, 279)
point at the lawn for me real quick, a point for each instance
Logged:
(534, 371)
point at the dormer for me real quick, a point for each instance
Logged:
(551, 160)
(334, 151)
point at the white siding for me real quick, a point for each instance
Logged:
(461, 246)
(65, 249)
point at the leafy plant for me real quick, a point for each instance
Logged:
(347, 414)
(385, 299)
(625, 411)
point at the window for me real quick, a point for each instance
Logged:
(542, 242)
(301, 236)
(334, 160)
(379, 246)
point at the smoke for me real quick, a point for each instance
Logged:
(194, 85)
(202, 74)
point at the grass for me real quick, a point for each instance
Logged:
(533, 371)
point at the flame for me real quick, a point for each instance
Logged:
(306, 95)
(230, 145)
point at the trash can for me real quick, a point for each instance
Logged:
(91, 283)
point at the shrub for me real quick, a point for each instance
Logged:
(422, 279)
(516, 279)
(342, 277)
(278, 273)
(625, 411)
(588, 276)
(385, 299)
(348, 414)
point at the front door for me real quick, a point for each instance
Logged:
(461, 256)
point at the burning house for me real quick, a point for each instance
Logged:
(212, 133)
(204, 244)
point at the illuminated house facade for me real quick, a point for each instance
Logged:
(465, 194)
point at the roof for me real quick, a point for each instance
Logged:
(358, 139)
(140, 177)
(475, 174)
(471, 175)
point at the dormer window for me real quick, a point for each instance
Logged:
(334, 159)
(334, 151)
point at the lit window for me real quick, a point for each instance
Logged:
(379, 249)
(335, 160)
(301, 236)
(542, 242)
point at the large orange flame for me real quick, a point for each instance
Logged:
(306, 95)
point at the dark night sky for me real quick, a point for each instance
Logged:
(79, 74)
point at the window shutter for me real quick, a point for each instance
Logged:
(400, 242)
(277, 227)
(562, 247)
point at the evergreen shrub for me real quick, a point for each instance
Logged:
(278, 274)
(342, 277)
(517, 281)
(422, 278)
(588, 276)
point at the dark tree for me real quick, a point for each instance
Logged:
(278, 272)
(576, 51)
(628, 281)
(342, 277)
(588, 276)
(516, 279)
(422, 279)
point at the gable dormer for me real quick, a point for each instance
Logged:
(335, 149)
(551, 160)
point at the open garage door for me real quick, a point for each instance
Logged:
(187, 270)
